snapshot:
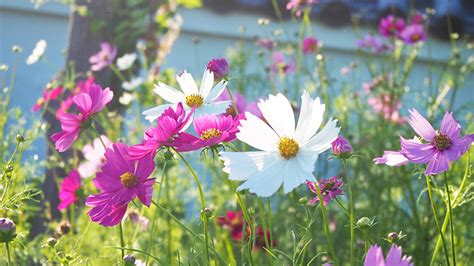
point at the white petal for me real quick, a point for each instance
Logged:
(311, 116)
(216, 91)
(294, 175)
(307, 159)
(187, 83)
(206, 83)
(266, 182)
(322, 141)
(155, 112)
(242, 165)
(169, 93)
(257, 133)
(212, 108)
(278, 112)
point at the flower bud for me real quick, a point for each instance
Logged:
(9, 168)
(207, 211)
(16, 49)
(341, 148)
(20, 138)
(129, 260)
(52, 241)
(303, 201)
(7, 230)
(219, 67)
(64, 228)
(363, 222)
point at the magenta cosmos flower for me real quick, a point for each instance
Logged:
(120, 181)
(310, 45)
(104, 57)
(88, 103)
(330, 188)
(435, 148)
(94, 156)
(395, 257)
(413, 34)
(219, 67)
(281, 64)
(298, 6)
(48, 95)
(68, 194)
(391, 26)
(169, 124)
(241, 104)
(212, 130)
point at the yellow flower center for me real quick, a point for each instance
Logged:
(40, 101)
(442, 142)
(194, 100)
(210, 133)
(128, 180)
(415, 37)
(288, 147)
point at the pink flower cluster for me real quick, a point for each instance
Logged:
(392, 26)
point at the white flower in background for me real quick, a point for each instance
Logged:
(94, 157)
(126, 61)
(203, 100)
(126, 98)
(287, 154)
(132, 84)
(37, 53)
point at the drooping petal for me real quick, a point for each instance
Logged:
(267, 181)
(438, 163)
(294, 175)
(257, 133)
(421, 126)
(242, 165)
(278, 112)
(392, 158)
(416, 152)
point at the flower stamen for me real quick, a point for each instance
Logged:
(442, 142)
(194, 100)
(128, 180)
(288, 148)
(210, 133)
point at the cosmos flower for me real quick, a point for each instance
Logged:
(48, 95)
(219, 67)
(413, 34)
(138, 219)
(330, 188)
(126, 61)
(391, 26)
(383, 105)
(281, 64)
(94, 155)
(169, 124)
(298, 6)
(66, 103)
(233, 222)
(287, 154)
(120, 181)
(394, 257)
(212, 130)
(435, 148)
(104, 57)
(373, 44)
(241, 104)
(310, 45)
(203, 100)
(341, 147)
(37, 53)
(89, 104)
(68, 194)
(266, 43)
(132, 84)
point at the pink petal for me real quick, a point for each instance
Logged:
(450, 127)
(417, 152)
(439, 163)
(421, 126)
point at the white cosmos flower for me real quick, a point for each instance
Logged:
(132, 84)
(37, 52)
(287, 153)
(203, 99)
(126, 61)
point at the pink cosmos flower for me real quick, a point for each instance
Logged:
(330, 188)
(341, 147)
(211, 129)
(48, 95)
(169, 124)
(104, 57)
(138, 219)
(383, 105)
(391, 26)
(94, 155)
(299, 5)
(281, 64)
(266, 43)
(88, 103)
(310, 45)
(394, 257)
(219, 67)
(240, 103)
(81, 86)
(120, 181)
(413, 34)
(373, 44)
(417, 18)
(69, 189)
(438, 149)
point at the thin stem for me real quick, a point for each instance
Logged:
(234, 104)
(326, 225)
(342, 207)
(351, 211)
(435, 213)
(366, 241)
(117, 72)
(450, 218)
(203, 202)
(122, 242)
(99, 136)
(8, 253)
(8, 164)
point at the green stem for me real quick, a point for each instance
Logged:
(342, 207)
(435, 213)
(453, 251)
(351, 211)
(203, 202)
(117, 72)
(8, 253)
(9, 179)
(122, 242)
(366, 241)
(99, 136)
(326, 224)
